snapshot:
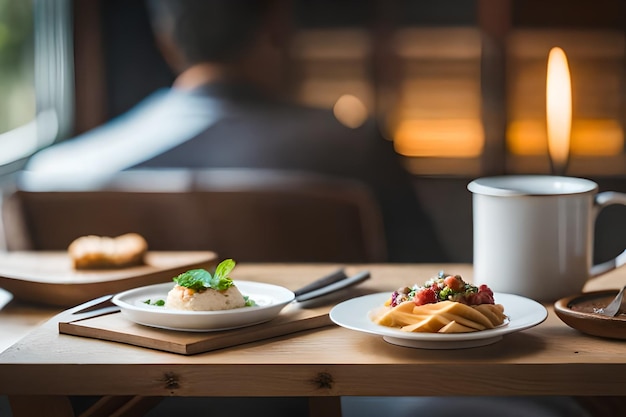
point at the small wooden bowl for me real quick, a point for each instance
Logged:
(577, 312)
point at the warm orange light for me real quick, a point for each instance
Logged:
(448, 138)
(559, 109)
(350, 111)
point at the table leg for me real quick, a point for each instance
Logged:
(40, 405)
(324, 406)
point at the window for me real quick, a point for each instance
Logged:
(17, 102)
(35, 77)
(597, 60)
(460, 86)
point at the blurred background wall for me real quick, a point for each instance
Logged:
(457, 85)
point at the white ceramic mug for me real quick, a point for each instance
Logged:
(533, 234)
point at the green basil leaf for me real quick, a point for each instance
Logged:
(200, 279)
(220, 280)
(194, 279)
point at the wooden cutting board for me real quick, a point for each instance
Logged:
(48, 277)
(116, 328)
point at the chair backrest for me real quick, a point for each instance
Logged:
(245, 214)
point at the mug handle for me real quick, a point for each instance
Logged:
(602, 200)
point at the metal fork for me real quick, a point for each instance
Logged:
(612, 309)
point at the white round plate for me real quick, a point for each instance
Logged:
(270, 300)
(354, 314)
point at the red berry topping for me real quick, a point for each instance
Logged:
(425, 296)
(455, 283)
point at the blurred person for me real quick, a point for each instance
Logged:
(224, 110)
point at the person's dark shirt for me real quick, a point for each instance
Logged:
(241, 128)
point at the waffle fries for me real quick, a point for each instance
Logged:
(444, 304)
(442, 317)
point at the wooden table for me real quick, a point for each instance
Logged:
(40, 370)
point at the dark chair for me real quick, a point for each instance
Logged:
(245, 214)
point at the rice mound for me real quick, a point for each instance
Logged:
(181, 298)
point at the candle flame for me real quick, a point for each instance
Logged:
(559, 109)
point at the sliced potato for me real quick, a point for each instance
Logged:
(494, 312)
(444, 317)
(454, 327)
(398, 316)
(466, 313)
(467, 322)
(431, 324)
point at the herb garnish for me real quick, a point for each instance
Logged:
(158, 303)
(201, 279)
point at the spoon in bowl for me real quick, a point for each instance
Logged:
(614, 306)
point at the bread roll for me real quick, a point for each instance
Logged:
(102, 252)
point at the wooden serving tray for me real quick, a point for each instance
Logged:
(116, 328)
(49, 278)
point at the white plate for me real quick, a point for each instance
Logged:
(270, 300)
(523, 313)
